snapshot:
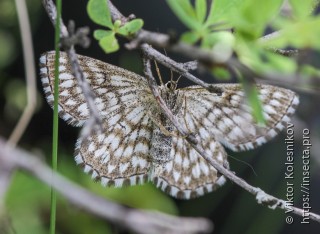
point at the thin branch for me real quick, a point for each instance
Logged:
(69, 37)
(286, 53)
(28, 56)
(261, 196)
(136, 220)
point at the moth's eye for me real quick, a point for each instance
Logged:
(170, 85)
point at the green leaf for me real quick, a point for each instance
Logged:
(260, 12)
(263, 61)
(304, 34)
(221, 9)
(221, 73)
(224, 37)
(247, 53)
(190, 37)
(131, 27)
(26, 212)
(257, 107)
(310, 71)
(201, 10)
(185, 12)
(251, 18)
(302, 9)
(109, 43)
(100, 33)
(254, 101)
(99, 13)
(116, 24)
(221, 45)
(275, 62)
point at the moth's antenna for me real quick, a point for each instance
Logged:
(171, 76)
(158, 72)
(178, 78)
(171, 73)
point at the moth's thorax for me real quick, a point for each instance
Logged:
(170, 94)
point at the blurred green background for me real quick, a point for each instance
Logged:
(230, 208)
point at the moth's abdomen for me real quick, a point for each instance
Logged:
(161, 145)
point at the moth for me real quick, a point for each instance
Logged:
(140, 144)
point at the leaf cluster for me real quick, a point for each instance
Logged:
(99, 13)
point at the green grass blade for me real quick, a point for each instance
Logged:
(55, 119)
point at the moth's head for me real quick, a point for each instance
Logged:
(171, 85)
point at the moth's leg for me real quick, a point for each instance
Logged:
(158, 72)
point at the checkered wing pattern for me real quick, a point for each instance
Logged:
(226, 115)
(119, 155)
(223, 117)
(188, 175)
(113, 87)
